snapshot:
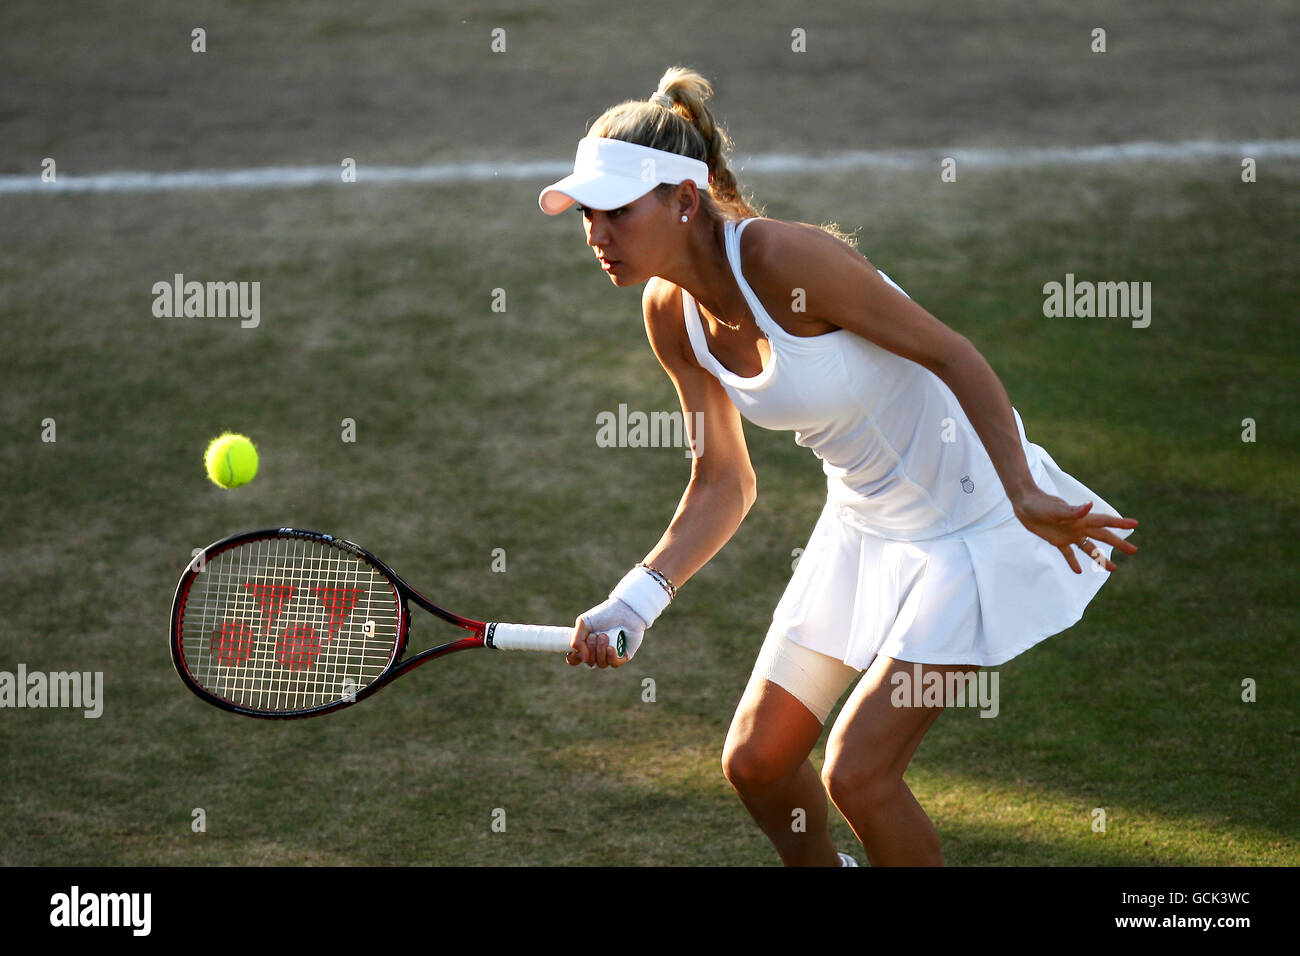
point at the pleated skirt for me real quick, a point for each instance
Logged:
(980, 595)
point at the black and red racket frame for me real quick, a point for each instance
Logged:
(480, 636)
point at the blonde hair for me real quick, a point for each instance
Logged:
(689, 129)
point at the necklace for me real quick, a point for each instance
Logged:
(734, 328)
(720, 232)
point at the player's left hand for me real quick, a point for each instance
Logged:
(1069, 526)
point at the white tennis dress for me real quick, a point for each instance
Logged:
(917, 553)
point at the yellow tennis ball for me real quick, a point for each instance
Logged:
(231, 460)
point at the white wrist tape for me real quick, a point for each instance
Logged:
(642, 593)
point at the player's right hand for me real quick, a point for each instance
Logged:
(592, 642)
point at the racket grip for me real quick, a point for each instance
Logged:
(531, 637)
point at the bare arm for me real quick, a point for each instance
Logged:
(987, 405)
(722, 487)
(706, 518)
(845, 290)
(1057, 521)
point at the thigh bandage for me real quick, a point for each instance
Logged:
(815, 680)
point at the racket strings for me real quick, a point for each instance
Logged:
(286, 624)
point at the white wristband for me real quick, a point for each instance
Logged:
(640, 591)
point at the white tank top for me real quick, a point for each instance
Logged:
(901, 458)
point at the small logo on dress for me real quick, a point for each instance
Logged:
(966, 484)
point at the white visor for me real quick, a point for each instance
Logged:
(609, 173)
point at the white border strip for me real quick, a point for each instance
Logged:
(278, 177)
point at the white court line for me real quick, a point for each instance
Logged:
(277, 177)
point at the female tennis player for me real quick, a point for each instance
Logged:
(947, 539)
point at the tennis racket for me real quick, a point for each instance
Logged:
(289, 623)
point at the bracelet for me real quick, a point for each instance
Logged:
(662, 578)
